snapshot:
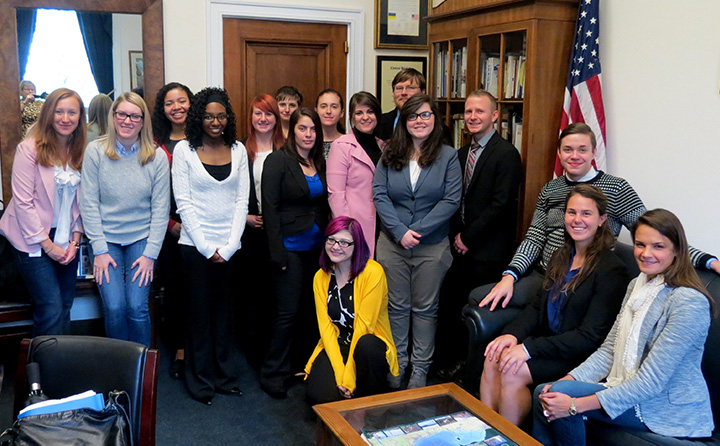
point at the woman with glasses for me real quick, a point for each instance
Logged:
(124, 203)
(351, 166)
(211, 185)
(42, 221)
(331, 108)
(356, 350)
(416, 190)
(295, 208)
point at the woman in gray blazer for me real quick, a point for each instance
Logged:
(416, 190)
(646, 375)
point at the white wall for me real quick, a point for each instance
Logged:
(186, 47)
(661, 76)
(127, 36)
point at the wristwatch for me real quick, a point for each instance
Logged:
(573, 410)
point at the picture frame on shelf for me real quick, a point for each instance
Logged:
(387, 67)
(401, 24)
(137, 78)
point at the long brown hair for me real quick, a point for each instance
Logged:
(681, 272)
(316, 153)
(400, 148)
(562, 258)
(267, 104)
(46, 140)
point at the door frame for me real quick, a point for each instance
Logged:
(217, 10)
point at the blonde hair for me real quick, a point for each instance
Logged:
(147, 145)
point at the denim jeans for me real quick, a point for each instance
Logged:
(52, 290)
(125, 304)
(570, 431)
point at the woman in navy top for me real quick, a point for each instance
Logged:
(295, 208)
(568, 318)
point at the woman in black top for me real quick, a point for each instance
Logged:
(295, 210)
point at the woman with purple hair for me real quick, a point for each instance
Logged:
(356, 349)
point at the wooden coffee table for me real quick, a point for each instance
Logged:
(341, 422)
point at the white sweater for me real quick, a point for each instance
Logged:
(213, 212)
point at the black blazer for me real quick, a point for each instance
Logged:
(586, 315)
(288, 208)
(491, 202)
(387, 121)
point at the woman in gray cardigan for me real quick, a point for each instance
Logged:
(646, 375)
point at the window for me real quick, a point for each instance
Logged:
(57, 55)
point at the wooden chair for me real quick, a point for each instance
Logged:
(74, 364)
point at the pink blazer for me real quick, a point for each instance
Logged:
(349, 177)
(28, 217)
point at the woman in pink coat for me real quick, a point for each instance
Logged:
(42, 221)
(351, 166)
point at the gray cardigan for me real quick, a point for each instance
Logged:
(426, 209)
(668, 391)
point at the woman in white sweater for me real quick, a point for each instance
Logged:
(211, 186)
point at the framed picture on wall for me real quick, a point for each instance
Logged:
(400, 24)
(387, 67)
(137, 72)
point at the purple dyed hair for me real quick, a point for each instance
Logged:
(360, 254)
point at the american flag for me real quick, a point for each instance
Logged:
(583, 94)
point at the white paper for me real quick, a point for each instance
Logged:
(403, 18)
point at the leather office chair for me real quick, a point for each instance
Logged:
(74, 364)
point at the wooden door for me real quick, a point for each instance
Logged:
(261, 55)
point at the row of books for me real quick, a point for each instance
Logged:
(514, 75)
(456, 67)
(458, 128)
(511, 129)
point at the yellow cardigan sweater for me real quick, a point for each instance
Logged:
(370, 293)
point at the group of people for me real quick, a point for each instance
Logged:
(362, 239)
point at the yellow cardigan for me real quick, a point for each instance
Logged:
(370, 293)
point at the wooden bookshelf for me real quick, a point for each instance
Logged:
(506, 34)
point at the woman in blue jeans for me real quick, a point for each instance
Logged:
(646, 375)
(42, 221)
(125, 203)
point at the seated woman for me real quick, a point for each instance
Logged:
(568, 319)
(646, 375)
(356, 349)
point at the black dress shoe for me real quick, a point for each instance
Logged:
(274, 390)
(452, 373)
(177, 369)
(206, 400)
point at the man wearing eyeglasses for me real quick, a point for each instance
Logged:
(483, 230)
(405, 84)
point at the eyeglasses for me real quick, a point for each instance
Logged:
(409, 88)
(211, 118)
(122, 116)
(424, 116)
(330, 241)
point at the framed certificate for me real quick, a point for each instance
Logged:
(400, 24)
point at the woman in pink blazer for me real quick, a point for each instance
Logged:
(351, 166)
(42, 220)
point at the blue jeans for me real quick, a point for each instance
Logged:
(570, 431)
(52, 290)
(125, 304)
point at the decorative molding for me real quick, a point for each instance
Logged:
(353, 18)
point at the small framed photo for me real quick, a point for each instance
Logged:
(400, 24)
(137, 70)
(387, 68)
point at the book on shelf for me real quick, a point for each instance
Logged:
(517, 126)
(458, 128)
(511, 64)
(520, 89)
(490, 70)
(441, 71)
(458, 84)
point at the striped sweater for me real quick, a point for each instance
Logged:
(547, 229)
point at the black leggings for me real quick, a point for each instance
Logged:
(371, 369)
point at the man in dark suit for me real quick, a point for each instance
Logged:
(483, 230)
(405, 84)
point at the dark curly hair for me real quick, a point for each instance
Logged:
(194, 124)
(400, 148)
(161, 125)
